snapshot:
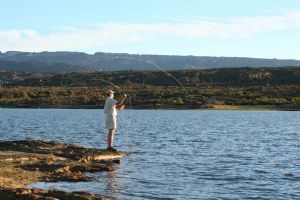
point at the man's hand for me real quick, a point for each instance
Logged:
(121, 105)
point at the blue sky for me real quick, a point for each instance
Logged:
(245, 28)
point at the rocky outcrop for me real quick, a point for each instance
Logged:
(27, 161)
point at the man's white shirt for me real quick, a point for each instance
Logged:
(110, 107)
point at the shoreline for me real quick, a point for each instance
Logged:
(287, 107)
(24, 162)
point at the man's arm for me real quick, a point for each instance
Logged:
(121, 103)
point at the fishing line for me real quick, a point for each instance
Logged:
(168, 73)
(165, 71)
(107, 82)
(155, 65)
(129, 97)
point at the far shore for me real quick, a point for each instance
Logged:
(287, 107)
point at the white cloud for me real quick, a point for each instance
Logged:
(110, 34)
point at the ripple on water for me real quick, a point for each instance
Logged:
(177, 154)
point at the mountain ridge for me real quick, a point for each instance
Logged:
(79, 61)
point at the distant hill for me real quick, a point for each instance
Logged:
(77, 61)
(36, 66)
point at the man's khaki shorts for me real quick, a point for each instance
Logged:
(111, 122)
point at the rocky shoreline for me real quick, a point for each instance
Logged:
(28, 161)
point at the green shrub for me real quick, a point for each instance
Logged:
(6, 101)
(179, 101)
(271, 101)
(296, 99)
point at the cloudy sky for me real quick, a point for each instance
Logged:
(247, 28)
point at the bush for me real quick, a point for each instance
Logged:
(6, 101)
(272, 101)
(179, 101)
(296, 99)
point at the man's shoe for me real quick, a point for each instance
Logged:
(111, 149)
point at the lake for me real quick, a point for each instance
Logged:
(177, 154)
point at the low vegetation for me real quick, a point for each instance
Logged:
(279, 87)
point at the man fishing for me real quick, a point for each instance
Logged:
(110, 110)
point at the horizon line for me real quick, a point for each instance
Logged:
(146, 54)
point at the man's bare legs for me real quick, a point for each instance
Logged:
(110, 137)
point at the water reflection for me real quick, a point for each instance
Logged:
(106, 182)
(111, 183)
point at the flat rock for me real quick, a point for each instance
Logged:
(27, 161)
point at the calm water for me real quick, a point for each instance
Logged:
(177, 154)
